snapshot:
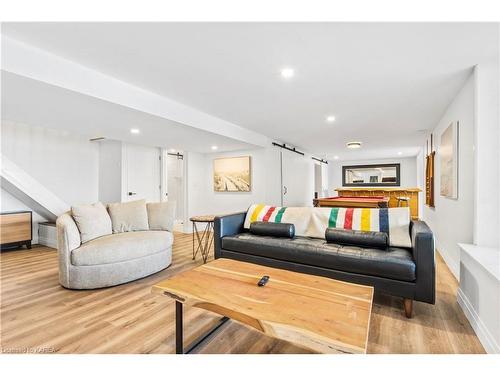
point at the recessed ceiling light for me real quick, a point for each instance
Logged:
(330, 118)
(336, 157)
(400, 153)
(287, 73)
(353, 144)
(135, 131)
(214, 148)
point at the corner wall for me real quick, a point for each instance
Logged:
(452, 220)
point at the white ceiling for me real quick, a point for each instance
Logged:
(28, 101)
(385, 83)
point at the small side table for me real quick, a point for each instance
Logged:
(206, 238)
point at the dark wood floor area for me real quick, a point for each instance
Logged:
(38, 315)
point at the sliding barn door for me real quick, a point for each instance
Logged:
(297, 179)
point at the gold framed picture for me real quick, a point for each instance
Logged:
(232, 174)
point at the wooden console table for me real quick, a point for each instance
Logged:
(391, 193)
(16, 229)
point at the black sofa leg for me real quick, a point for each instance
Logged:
(408, 305)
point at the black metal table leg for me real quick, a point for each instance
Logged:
(179, 340)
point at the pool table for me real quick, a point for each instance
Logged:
(358, 202)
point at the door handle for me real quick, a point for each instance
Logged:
(131, 193)
(285, 190)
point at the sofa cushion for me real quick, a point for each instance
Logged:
(263, 228)
(393, 263)
(92, 221)
(161, 215)
(121, 247)
(129, 216)
(359, 238)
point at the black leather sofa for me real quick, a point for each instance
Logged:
(408, 273)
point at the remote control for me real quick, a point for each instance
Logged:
(263, 281)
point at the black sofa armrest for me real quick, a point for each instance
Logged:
(422, 240)
(227, 225)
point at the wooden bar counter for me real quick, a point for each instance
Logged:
(391, 193)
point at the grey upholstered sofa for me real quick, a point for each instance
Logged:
(110, 259)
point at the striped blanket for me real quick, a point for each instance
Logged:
(313, 221)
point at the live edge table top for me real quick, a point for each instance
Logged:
(318, 313)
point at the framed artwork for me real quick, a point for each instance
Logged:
(449, 161)
(232, 174)
(429, 179)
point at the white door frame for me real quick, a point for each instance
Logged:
(163, 175)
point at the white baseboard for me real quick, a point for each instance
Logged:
(47, 235)
(482, 332)
(452, 264)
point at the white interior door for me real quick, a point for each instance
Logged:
(142, 173)
(297, 179)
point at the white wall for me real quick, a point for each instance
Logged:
(408, 171)
(266, 183)
(452, 220)
(63, 162)
(110, 171)
(479, 290)
(201, 197)
(486, 132)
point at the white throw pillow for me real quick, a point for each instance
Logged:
(161, 215)
(92, 221)
(129, 216)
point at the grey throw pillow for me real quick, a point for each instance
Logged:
(129, 216)
(161, 215)
(92, 221)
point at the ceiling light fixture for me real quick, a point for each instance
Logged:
(354, 144)
(336, 157)
(330, 118)
(287, 73)
(135, 131)
(400, 153)
(214, 148)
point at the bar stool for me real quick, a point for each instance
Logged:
(402, 200)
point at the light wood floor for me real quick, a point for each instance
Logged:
(38, 314)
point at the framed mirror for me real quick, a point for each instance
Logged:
(371, 175)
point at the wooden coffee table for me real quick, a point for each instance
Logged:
(317, 313)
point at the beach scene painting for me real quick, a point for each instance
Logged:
(449, 161)
(232, 174)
